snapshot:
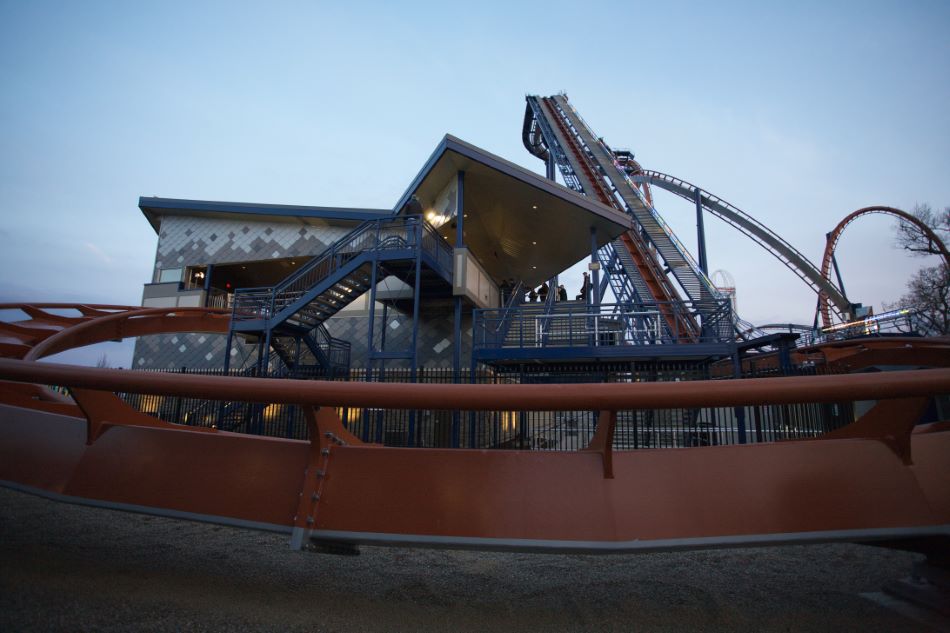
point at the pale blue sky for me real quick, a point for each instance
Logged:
(797, 115)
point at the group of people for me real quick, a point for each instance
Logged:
(508, 286)
(542, 293)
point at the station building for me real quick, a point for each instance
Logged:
(471, 230)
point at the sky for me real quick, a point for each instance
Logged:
(797, 114)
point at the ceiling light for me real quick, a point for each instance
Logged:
(535, 243)
(534, 206)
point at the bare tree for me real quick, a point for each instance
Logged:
(912, 238)
(102, 361)
(928, 292)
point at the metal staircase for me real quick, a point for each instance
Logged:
(291, 315)
(315, 353)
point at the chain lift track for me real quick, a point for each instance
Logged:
(588, 164)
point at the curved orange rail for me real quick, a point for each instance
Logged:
(874, 479)
(835, 235)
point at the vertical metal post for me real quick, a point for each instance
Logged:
(207, 284)
(263, 358)
(739, 411)
(381, 374)
(368, 377)
(457, 333)
(595, 272)
(459, 243)
(701, 233)
(416, 292)
(834, 263)
(549, 166)
(372, 319)
(295, 371)
(227, 352)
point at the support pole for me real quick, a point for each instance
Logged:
(739, 411)
(370, 334)
(701, 233)
(834, 264)
(227, 351)
(416, 291)
(595, 269)
(549, 166)
(457, 332)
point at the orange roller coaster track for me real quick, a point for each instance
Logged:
(835, 235)
(877, 478)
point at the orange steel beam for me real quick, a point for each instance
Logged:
(485, 397)
(849, 489)
(874, 480)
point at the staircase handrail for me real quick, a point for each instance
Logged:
(324, 264)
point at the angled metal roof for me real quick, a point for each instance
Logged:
(153, 208)
(518, 224)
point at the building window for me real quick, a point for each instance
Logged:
(195, 277)
(169, 275)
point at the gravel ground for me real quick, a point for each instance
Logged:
(72, 568)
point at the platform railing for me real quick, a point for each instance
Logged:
(577, 324)
(790, 401)
(403, 232)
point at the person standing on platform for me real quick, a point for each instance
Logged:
(505, 290)
(585, 289)
(543, 292)
(561, 293)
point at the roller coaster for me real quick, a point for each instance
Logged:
(836, 451)
(554, 132)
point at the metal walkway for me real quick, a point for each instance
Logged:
(289, 317)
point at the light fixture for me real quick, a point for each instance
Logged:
(534, 206)
(535, 243)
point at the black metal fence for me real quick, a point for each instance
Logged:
(536, 430)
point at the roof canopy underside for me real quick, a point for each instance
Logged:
(518, 224)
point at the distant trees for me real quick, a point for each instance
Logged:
(928, 291)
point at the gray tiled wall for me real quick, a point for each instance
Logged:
(190, 241)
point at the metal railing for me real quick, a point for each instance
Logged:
(337, 351)
(395, 233)
(553, 430)
(576, 324)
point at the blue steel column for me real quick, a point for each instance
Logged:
(549, 166)
(701, 233)
(595, 273)
(416, 291)
(739, 411)
(372, 325)
(457, 339)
